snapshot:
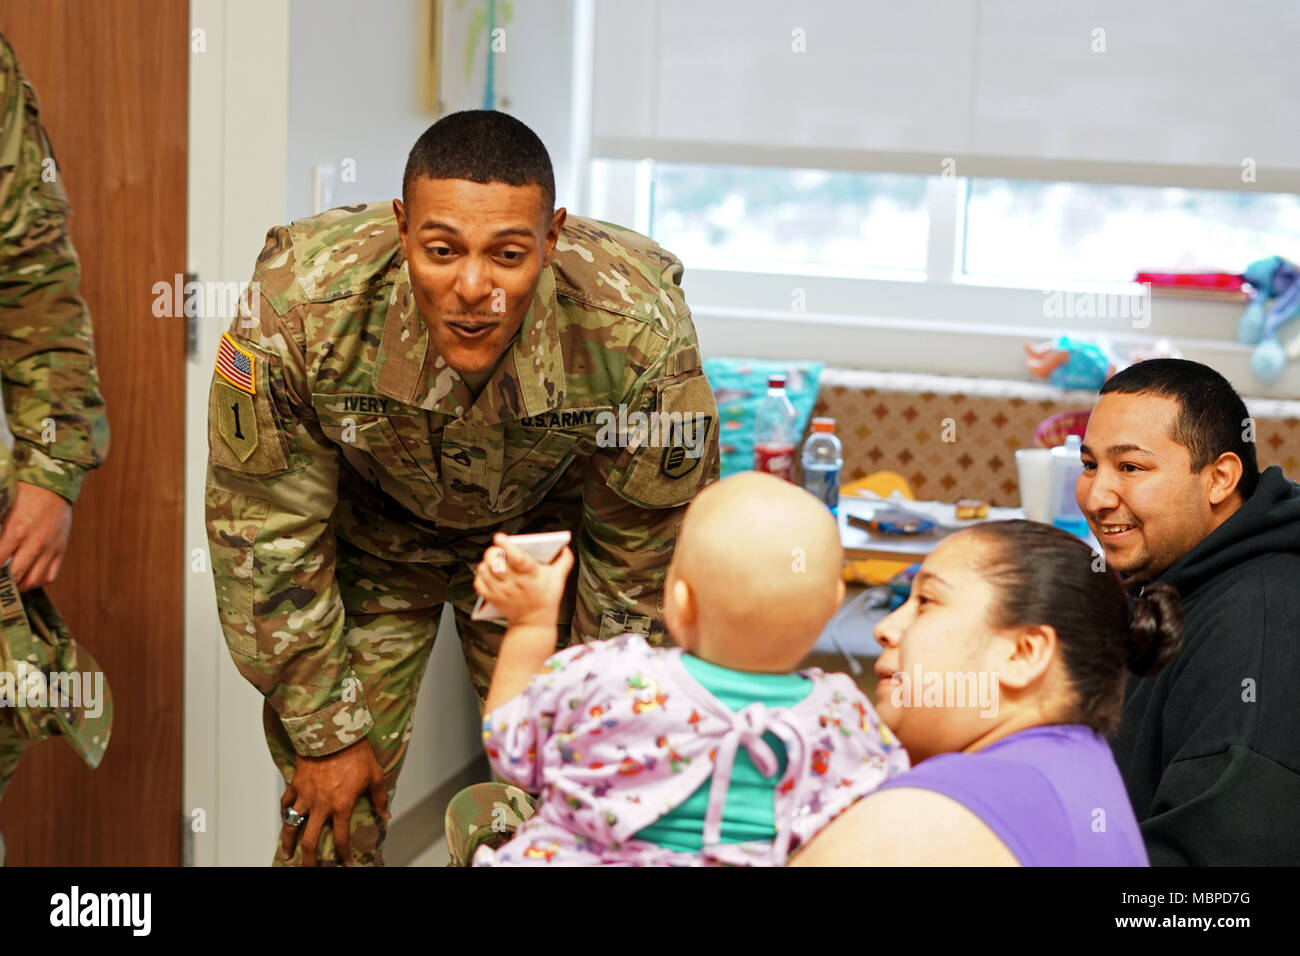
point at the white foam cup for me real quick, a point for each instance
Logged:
(1034, 472)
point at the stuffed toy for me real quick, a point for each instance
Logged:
(1275, 302)
(1070, 363)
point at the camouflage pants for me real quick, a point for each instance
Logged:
(13, 744)
(393, 609)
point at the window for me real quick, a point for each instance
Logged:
(939, 275)
(759, 219)
(877, 225)
(1084, 231)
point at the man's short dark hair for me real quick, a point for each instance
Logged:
(482, 146)
(1211, 415)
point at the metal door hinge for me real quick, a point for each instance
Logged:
(187, 840)
(191, 319)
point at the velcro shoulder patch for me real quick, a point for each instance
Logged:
(244, 434)
(236, 364)
(677, 449)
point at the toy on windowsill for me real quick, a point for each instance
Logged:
(1070, 363)
(1274, 304)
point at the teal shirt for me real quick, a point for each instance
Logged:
(748, 813)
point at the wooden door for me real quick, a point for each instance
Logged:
(112, 80)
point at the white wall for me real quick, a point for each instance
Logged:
(354, 92)
(355, 73)
(540, 54)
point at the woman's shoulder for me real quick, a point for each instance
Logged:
(1005, 804)
(1039, 790)
(1002, 785)
(907, 827)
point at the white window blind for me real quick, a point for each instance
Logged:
(1162, 92)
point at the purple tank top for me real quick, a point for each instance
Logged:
(1052, 794)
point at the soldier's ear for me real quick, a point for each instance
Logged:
(400, 213)
(553, 234)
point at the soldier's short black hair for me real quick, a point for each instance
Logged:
(482, 146)
(1212, 418)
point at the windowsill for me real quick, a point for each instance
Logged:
(970, 348)
(1036, 309)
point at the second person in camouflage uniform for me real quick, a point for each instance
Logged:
(407, 381)
(47, 362)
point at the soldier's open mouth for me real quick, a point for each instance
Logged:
(470, 331)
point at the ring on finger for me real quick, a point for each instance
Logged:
(293, 817)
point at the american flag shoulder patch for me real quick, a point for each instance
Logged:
(235, 365)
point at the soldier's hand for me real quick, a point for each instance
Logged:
(35, 535)
(326, 789)
(525, 591)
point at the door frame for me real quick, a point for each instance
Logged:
(238, 147)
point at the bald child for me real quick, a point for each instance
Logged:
(712, 752)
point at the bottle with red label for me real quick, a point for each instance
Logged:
(776, 430)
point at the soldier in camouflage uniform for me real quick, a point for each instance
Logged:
(54, 410)
(37, 658)
(362, 456)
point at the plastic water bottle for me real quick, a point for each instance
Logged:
(822, 459)
(1066, 467)
(775, 431)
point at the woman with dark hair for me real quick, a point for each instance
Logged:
(1000, 675)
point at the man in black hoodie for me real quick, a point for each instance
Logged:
(1210, 746)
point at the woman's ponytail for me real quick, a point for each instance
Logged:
(1155, 630)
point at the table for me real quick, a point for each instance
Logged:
(859, 543)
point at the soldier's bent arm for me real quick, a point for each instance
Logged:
(47, 358)
(272, 486)
(634, 497)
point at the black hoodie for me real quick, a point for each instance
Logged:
(1210, 746)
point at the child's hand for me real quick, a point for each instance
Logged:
(525, 591)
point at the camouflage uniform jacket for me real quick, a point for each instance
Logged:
(49, 684)
(47, 357)
(333, 415)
